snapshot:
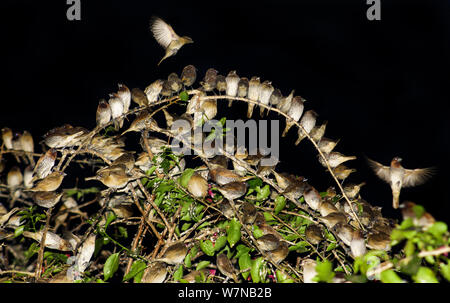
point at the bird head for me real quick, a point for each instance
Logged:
(397, 159)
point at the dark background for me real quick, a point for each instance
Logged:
(382, 85)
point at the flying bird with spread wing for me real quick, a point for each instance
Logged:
(167, 38)
(398, 176)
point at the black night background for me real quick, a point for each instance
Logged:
(381, 85)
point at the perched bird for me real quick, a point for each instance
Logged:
(308, 122)
(314, 233)
(335, 158)
(126, 159)
(153, 90)
(189, 75)
(283, 179)
(222, 176)
(312, 198)
(221, 83)
(197, 186)
(117, 109)
(344, 232)
(143, 121)
(268, 242)
(425, 220)
(167, 38)
(195, 102)
(254, 89)
(248, 211)
(174, 254)
(64, 136)
(226, 209)
(27, 143)
(296, 188)
(242, 88)
(47, 199)
(233, 190)
(264, 94)
(342, 172)
(28, 177)
(334, 218)
(174, 82)
(225, 267)
(309, 270)
(208, 109)
(103, 115)
(218, 161)
(14, 177)
(276, 97)
(318, 131)
(196, 275)
(295, 111)
(125, 95)
(358, 244)
(326, 208)
(139, 97)
(155, 273)
(379, 241)
(7, 136)
(280, 253)
(398, 176)
(352, 190)
(285, 103)
(112, 176)
(50, 183)
(16, 142)
(210, 80)
(232, 81)
(52, 240)
(326, 145)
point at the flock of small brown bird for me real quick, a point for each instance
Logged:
(42, 180)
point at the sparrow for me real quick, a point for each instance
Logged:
(379, 241)
(425, 220)
(254, 89)
(174, 82)
(153, 90)
(167, 38)
(174, 254)
(218, 161)
(352, 190)
(189, 75)
(52, 240)
(166, 90)
(232, 81)
(242, 154)
(265, 171)
(276, 96)
(295, 111)
(139, 97)
(314, 234)
(125, 95)
(50, 183)
(156, 145)
(197, 186)
(7, 136)
(126, 159)
(112, 176)
(225, 267)
(285, 103)
(64, 136)
(296, 188)
(209, 82)
(27, 143)
(233, 190)
(358, 244)
(335, 158)
(194, 103)
(398, 176)
(47, 199)
(242, 88)
(326, 208)
(318, 131)
(264, 94)
(117, 109)
(155, 273)
(344, 232)
(342, 172)
(14, 177)
(283, 179)
(222, 176)
(103, 115)
(143, 161)
(183, 123)
(268, 242)
(16, 142)
(308, 122)
(28, 177)
(141, 122)
(312, 198)
(326, 145)
(221, 83)
(191, 277)
(280, 253)
(248, 211)
(309, 270)
(334, 218)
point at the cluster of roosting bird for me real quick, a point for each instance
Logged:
(355, 223)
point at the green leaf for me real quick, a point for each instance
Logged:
(184, 96)
(282, 277)
(245, 262)
(187, 261)
(324, 271)
(425, 275)
(253, 183)
(257, 232)
(268, 216)
(264, 193)
(207, 247)
(331, 246)
(438, 229)
(280, 203)
(136, 271)
(241, 249)
(300, 247)
(220, 243)
(233, 232)
(18, 231)
(111, 266)
(256, 265)
(407, 224)
(111, 217)
(202, 264)
(186, 176)
(178, 274)
(410, 248)
(445, 270)
(418, 211)
(389, 276)
(412, 266)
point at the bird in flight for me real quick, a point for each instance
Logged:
(167, 38)
(398, 176)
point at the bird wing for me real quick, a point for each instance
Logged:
(417, 176)
(163, 32)
(380, 170)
